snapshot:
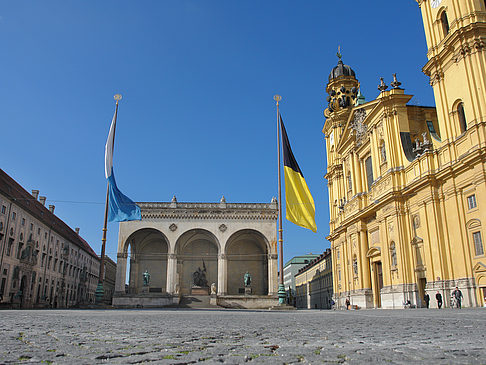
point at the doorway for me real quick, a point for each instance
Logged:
(378, 283)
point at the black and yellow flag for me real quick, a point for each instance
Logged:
(300, 206)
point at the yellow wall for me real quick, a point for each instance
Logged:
(420, 206)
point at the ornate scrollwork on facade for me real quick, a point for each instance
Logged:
(358, 127)
(223, 227)
(436, 77)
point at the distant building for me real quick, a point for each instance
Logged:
(43, 262)
(314, 283)
(109, 280)
(291, 268)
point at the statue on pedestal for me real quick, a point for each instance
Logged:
(146, 278)
(199, 277)
(247, 279)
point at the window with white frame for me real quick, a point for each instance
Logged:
(478, 243)
(471, 202)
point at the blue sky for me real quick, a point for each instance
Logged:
(197, 77)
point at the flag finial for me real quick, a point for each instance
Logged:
(277, 98)
(117, 97)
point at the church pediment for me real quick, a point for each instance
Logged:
(479, 268)
(356, 127)
(373, 251)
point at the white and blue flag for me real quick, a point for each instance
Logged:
(120, 207)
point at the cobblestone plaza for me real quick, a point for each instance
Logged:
(176, 336)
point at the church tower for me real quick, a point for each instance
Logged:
(342, 91)
(455, 31)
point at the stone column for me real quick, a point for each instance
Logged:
(171, 273)
(121, 272)
(272, 274)
(222, 274)
(309, 298)
(133, 282)
(364, 262)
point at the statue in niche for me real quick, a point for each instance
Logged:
(383, 152)
(146, 278)
(213, 288)
(199, 277)
(247, 279)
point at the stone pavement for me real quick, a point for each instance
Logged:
(176, 336)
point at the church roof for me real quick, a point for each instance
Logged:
(341, 70)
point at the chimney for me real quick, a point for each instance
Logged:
(35, 194)
(42, 199)
(51, 208)
(77, 230)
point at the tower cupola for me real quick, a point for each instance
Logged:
(342, 88)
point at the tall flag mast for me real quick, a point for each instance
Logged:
(299, 204)
(281, 288)
(118, 207)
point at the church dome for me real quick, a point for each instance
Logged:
(341, 70)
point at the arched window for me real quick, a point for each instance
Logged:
(445, 23)
(462, 117)
(369, 172)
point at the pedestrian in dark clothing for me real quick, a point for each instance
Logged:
(438, 296)
(427, 299)
(348, 303)
(457, 294)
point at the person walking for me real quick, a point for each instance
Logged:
(348, 303)
(438, 297)
(427, 300)
(457, 294)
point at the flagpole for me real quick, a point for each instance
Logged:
(281, 288)
(100, 292)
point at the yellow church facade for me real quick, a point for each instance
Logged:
(407, 184)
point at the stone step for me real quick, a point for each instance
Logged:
(196, 301)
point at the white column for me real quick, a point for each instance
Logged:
(308, 295)
(171, 273)
(121, 272)
(222, 274)
(272, 274)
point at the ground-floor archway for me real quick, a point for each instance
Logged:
(148, 253)
(247, 252)
(197, 262)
